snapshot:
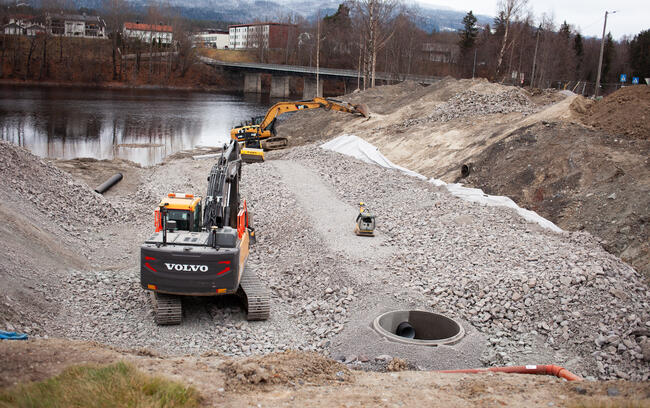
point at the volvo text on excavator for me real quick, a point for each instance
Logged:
(194, 255)
(259, 133)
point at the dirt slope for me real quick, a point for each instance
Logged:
(578, 178)
(432, 130)
(304, 379)
(626, 113)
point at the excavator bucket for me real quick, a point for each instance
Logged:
(362, 108)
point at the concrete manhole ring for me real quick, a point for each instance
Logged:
(418, 327)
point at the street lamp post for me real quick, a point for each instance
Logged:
(602, 49)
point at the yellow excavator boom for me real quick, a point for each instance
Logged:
(265, 130)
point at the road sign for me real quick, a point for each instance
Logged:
(635, 80)
(623, 78)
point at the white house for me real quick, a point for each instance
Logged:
(147, 33)
(254, 35)
(32, 30)
(76, 25)
(212, 38)
(13, 29)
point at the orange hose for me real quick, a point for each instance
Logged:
(557, 371)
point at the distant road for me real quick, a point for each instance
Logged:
(326, 72)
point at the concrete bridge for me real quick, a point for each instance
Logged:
(281, 75)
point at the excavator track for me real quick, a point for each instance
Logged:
(256, 296)
(275, 143)
(167, 308)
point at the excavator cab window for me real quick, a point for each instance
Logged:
(182, 218)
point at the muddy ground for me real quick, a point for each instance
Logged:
(306, 379)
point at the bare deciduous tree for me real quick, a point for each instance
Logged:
(510, 10)
(376, 18)
(115, 15)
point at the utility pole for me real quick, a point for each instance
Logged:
(359, 66)
(532, 75)
(318, 55)
(600, 60)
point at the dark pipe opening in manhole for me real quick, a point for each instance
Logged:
(417, 327)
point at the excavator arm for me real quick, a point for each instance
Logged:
(265, 129)
(316, 103)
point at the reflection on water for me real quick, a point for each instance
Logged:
(143, 126)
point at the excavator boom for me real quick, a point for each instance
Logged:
(316, 103)
(265, 129)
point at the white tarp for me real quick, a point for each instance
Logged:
(354, 146)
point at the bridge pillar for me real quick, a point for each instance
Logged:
(280, 86)
(309, 88)
(252, 83)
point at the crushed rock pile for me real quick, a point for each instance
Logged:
(527, 290)
(518, 285)
(471, 103)
(539, 297)
(47, 224)
(25, 178)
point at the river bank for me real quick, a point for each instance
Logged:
(225, 88)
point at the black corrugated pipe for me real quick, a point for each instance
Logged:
(405, 329)
(109, 183)
(465, 169)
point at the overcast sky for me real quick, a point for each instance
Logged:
(586, 16)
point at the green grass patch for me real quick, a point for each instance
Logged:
(115, 385)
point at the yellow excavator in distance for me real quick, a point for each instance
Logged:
(259, 133)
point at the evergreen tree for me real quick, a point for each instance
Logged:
(565, 30)
(500, 24)
(640, 54)
(578, 48)
(469, 33)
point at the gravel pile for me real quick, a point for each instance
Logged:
(308, 307)
(60, 199)
(470, 103)
(538, 296)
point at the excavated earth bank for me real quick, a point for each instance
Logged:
(583, 165)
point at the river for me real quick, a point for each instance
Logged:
(143, 126)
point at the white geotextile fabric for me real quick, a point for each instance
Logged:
(354, 146)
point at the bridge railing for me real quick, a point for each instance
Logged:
(331, 72)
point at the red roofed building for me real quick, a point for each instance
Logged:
(162, 34)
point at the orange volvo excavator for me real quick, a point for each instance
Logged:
(259, 133)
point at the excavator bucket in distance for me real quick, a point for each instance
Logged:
(362, 109)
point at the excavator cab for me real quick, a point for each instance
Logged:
(183, 209)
